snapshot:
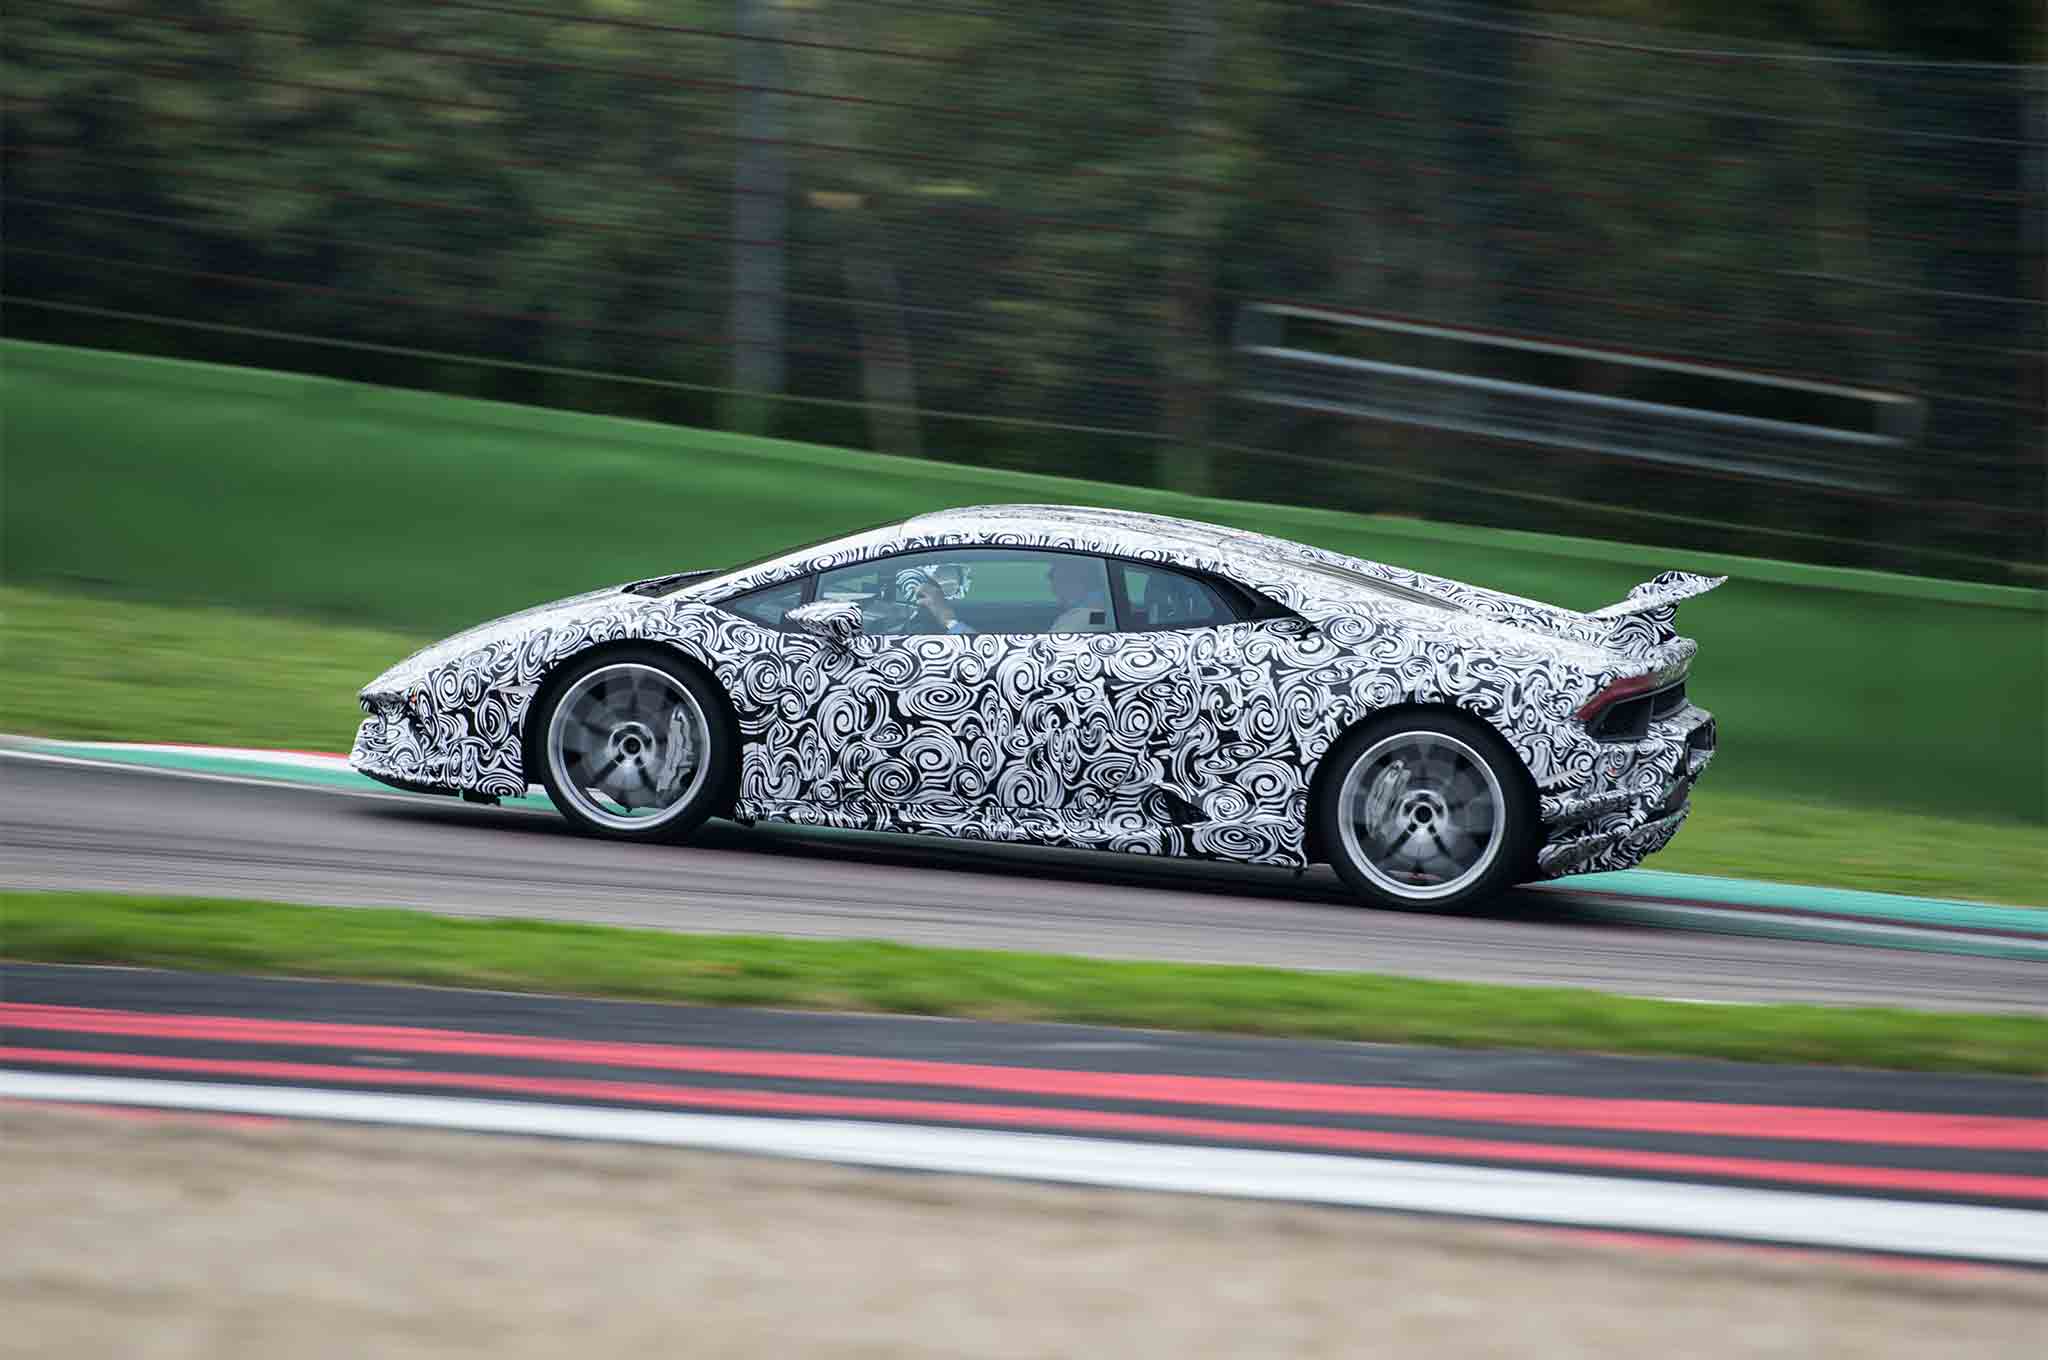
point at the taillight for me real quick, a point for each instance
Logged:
(1624, 708)
(1615, 692)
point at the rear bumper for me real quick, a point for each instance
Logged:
(1638, 795)
(1597, 851)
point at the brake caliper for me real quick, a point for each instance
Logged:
(679, 756)
(1385, 796)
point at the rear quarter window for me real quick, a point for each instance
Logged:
(1158, 598)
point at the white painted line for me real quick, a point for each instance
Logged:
(1839, 1221)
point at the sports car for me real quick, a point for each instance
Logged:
(1087, 678)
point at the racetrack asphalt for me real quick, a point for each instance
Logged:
(73, 827)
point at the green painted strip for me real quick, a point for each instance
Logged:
(210, 764)
(1741, 892)
(1709, 919)
(242, 767)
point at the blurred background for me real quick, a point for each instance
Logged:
(1570, 266)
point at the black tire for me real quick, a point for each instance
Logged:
(1410, 836)
(633, 744)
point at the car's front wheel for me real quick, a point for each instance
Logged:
(1425, 809)
(633, 745)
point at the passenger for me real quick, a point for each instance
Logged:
(1077, 585)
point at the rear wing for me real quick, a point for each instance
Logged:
(1648, 617)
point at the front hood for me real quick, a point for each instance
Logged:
(408, 672)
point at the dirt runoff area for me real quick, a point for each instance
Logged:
(172, 1236)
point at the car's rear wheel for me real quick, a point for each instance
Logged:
(1425, 809)
(633, 746)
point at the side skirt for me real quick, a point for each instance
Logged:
(1275, 842)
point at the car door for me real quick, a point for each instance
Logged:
(946, 714)
(1194, 714)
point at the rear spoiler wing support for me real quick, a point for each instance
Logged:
(1647, 618)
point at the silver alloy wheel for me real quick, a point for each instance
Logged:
(629, 745)
(1422, 815)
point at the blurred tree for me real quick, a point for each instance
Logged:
(451, 176)
(1046, 217)
(760, 211)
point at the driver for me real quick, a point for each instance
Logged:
(932, 600)
(930, 593)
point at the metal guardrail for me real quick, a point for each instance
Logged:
(1699, 438)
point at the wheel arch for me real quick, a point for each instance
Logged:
(530, 730)
(1325, 769)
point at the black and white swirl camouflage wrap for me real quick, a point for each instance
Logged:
(1192, 741)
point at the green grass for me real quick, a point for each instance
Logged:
(731, 970)
(187, 483)
(90, 668)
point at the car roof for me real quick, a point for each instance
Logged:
(1292, 573)
(1102, 529)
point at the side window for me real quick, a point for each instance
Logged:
(1157, 598)
(977, 590)
(768, 604)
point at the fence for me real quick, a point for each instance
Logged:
(1027, 235)
(1701, 427)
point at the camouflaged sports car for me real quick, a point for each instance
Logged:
(1088, 678)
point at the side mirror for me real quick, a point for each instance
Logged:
(836, 621)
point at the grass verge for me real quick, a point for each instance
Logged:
(1782, 840)
(90, 668)
(95, 669)
(737, 970)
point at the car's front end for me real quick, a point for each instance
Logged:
(451, 717)
(445, 729)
